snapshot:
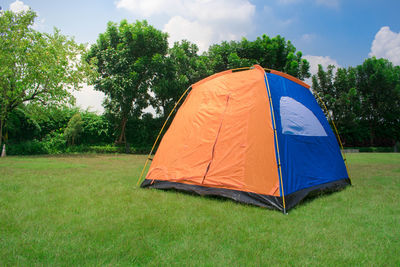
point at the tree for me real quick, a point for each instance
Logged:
(176, 72)
(74, 128)
(274, 53)
(364, 101)
(36, 68)
(378, 82)
(125, 59)
(340, 95)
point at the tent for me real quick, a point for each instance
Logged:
(255, 136)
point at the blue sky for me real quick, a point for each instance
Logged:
(337, 32)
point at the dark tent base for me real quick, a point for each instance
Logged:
(265, 201)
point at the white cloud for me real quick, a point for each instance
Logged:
(180, 28)
(18, 6)
(386, 45)
(325, 61)
(88, 98)
(203, 22)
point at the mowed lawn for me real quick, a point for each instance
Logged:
(86, 210)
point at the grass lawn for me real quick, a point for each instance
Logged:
(87, 210)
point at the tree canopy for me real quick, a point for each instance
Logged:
(364, 101)
(125, 58)
(180, 68)
(36, 68)
(274, 53)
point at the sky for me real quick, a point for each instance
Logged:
(339, 32)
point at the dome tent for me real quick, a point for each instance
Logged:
(253, 136)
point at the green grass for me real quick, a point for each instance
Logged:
(87, 210)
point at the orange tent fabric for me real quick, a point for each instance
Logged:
(222, 137)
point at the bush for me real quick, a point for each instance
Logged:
(141, 150)
(33, 147)
(78, 149)
(55, 143)
(74, 129)
(106, 149)
(373, 149)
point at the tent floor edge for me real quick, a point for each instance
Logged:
(309, 193)
(264, 201)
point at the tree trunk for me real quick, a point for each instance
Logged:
(1, 131)
(371, 134)
(127, 148)
(1, 139)
(122, 138)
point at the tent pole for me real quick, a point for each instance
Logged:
(336, 131)
(159, 134)
(277, 144)
(243, 68)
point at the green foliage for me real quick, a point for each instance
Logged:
(364, 101)
(56, 145)
(274, 53)
(85, 210)
(49, 128)
(35, 67)
(105, 149)
(21, 127)
(95, 130)
(376, 149)
(176, 71)
(55, 142)
(29, 122)
(74, 129)
(143, 132)
(33, 147)
(125, 57)
(379, 86)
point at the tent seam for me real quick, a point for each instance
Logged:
(216, 139)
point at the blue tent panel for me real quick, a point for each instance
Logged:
(309, 152)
